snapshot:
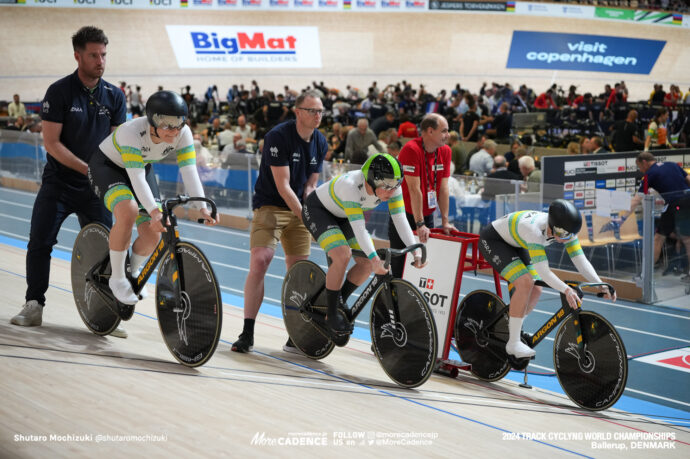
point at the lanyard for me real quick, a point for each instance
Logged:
(98, 105)
(429, 184)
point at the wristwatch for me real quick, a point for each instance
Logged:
(420, 223)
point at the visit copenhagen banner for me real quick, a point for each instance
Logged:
(592, 53)
(245, 47)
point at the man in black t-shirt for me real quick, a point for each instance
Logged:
(625, 134)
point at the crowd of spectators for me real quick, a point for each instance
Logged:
(382, 119)
(680, 6)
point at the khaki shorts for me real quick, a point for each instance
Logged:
(272, 224)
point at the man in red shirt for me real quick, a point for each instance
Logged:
(426, 164)
(545, 100)
(407, 128)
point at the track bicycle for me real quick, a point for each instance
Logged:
(188, 301)
(589, 356)
(403, 331)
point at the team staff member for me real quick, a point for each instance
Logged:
(426, 163)
(78, 112)
(673, 184)
(291, 160)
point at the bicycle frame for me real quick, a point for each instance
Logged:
(378, 282)
(168, 239)
(559, 316)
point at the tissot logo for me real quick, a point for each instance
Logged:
(426, 283)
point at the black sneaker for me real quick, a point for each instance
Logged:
(244, 343)
(289, 346)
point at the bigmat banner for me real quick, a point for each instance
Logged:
(592, 53)
(245, 47)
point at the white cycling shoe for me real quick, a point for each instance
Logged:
(520, 350)
(122, 290)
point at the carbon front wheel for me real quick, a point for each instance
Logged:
(594, 377)
(189, 305)
(403, 333)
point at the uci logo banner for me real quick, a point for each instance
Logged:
(245, 47)
(592, 53)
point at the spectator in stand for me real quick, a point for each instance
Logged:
(657, 133)
(274, 111)
(512, 154)
(225, 137)
(394, 148)
(407, 128)
(482, 162)
(469, 124)
(624, 136)
(383, 123)
(248, 130)
(573, 148)
(358, 141)
(545, 100)
(658, 95)
(530, 173)
(211, 97)
(458, 153)
(136, 103)
(572, 96)
(618, 93)
(514, 165)
(17, 125)
(500, 180)
(585, 146)
(686, 101)
(673, 97)
(210, 133)
(598, 145)
(15, 109)
(501, 123)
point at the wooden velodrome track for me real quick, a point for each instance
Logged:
(69, 393)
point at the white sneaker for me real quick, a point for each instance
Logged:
(520, 350)
(31, 315)
(122, 290)
(119, 332)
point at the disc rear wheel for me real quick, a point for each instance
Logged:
(304, 319)
(480, 345)
(92, 297)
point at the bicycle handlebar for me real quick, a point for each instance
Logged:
(577, 286)
(580, 293)
(386, 253)
(171, 203)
